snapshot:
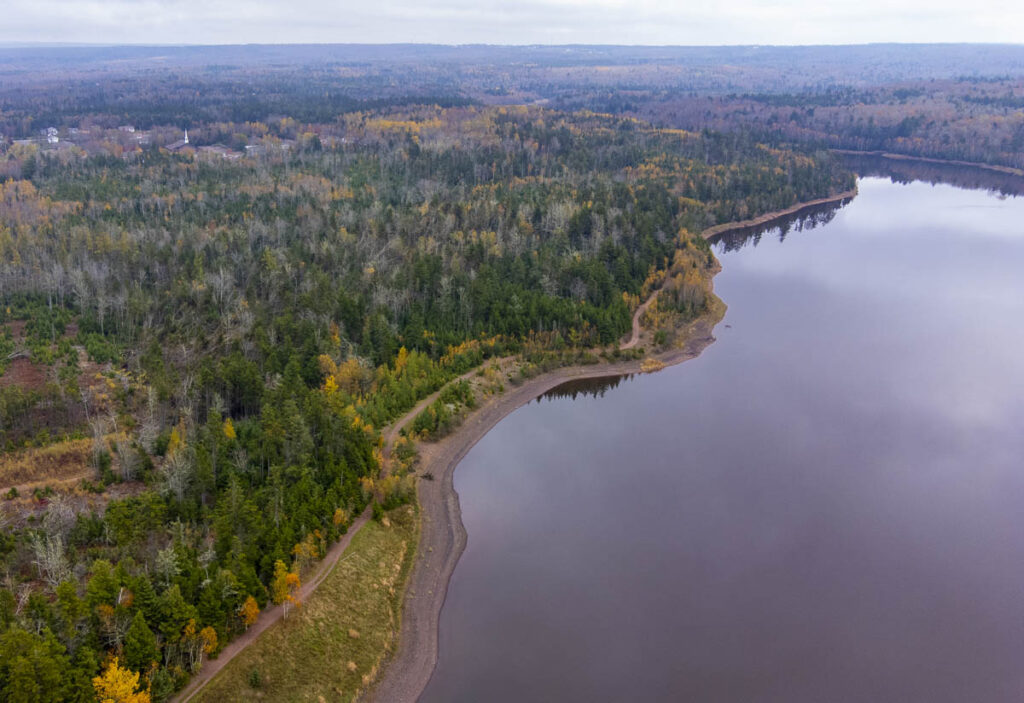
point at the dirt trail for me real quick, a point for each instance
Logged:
(61, 482)
(271, 615)
(391, 436)
(443, 537)
(634, 337)
(268, 617)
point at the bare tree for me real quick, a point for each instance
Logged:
(166, 565)
(99, 428)
(127, 459)
(150, 428)
(177, 473)
(60, 517)
(222, 287)
(50, 558)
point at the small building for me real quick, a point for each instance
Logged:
(180, 145)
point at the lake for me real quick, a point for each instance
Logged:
(827, 505)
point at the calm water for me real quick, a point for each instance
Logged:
(828, 505)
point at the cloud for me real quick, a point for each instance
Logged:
(502, 22)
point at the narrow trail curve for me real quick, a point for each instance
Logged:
(211, 667)
(634, 337)
(395, 430)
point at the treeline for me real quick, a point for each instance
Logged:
(187, 98)
(962, 120)
(242, 329)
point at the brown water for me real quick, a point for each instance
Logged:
(828, 505)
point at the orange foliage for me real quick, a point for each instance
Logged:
(249, 611)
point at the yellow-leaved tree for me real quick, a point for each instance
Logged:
(177, 440)
(285, 587)
(118, 684)
(250, 610)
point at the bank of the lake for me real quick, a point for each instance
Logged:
(891, 156)
(824, 506)
(443, 536)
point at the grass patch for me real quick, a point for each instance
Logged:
(332, 647)
(62, 460)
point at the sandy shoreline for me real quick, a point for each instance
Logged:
(443, 536)
(712, 232)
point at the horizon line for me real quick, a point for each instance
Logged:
(184, 45)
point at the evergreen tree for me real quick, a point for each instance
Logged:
(33, 668)
(140, 645)
(175, 613)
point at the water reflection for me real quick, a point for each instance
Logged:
(909, 171)
(897, 171)
(825, 506)
(806, 219)
(586, 387)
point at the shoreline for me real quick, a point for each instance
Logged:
(892, 156)
(716, 230)
(443, 537)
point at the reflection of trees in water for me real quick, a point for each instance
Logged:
(595, 387)
(898, 171)
(807, 218)
(908, 171)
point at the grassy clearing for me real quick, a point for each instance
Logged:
(331, 648)
(59, 461)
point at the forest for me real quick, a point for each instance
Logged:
(948, 101)
(203, 340)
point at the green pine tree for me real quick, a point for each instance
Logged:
(140, 646)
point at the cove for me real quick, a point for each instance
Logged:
(825, 506)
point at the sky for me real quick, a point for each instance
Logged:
(680, 22)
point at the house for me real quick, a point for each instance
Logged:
(51, 135)
(180, 145)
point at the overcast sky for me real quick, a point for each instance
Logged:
(512, 22)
